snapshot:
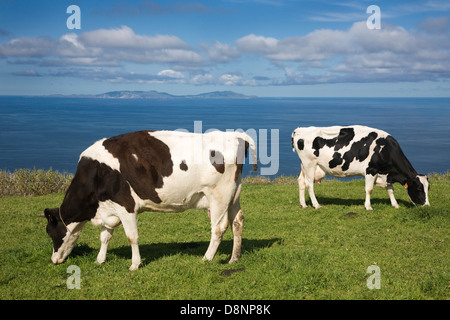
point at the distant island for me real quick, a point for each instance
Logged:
(161, 95)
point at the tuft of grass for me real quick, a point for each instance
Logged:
(263, 180)
(439, 176)
(27, 182)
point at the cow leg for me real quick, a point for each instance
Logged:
(236, 220)
(107, 216)
(370, 181)
(105, 236)
(129, 221)
(301, 189)
(390, 190)
(312, 196)
(219, 223)
(309, 174)
(236, 225)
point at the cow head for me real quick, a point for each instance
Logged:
(64, 236)
(418, 190)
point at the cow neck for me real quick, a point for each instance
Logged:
(60, 217)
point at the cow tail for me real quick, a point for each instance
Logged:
(294, 133)
(292, 141)
(252, 146)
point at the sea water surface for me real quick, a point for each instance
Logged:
(49, 132)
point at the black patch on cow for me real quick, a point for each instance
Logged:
(359, 150)
(319, 143)
(81, 200)
(183, 165)
(337, 160)
(242, 153)
(144, 161)
(217, 160)
(93, 182)
(388, 158)
(300, 144)
(345, 136)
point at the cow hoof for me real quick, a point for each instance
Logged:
(304, 206)
(134, 267)
(205, 259)
(317, 207)
(369, 209)
(233, 260)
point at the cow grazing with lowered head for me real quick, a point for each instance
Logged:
(166, 171)
(351, 151)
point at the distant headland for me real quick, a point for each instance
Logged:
(159, 95)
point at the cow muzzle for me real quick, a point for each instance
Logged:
(57, 259)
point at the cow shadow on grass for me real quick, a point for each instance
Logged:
(155, 251)
(323, 201)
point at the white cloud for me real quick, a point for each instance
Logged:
(171, 74)
(257, 44)
(124, 37)
(230, 79)
(202, 79)
(28, 47)
(222, 52)
(357, 54)
(102, 47)
(28, 73)
(435, 25)
(116, 76)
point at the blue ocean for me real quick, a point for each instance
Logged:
(51, 132)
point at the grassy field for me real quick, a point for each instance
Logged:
(288, 252)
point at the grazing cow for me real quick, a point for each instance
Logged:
(166, 171)
(352, 151)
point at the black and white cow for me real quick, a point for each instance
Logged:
(168, 171)
(345, 151)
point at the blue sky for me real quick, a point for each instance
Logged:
(266, 48)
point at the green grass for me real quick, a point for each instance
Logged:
(288, 252)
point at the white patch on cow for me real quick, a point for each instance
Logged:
(381, 180)
(98, 152)
(68, 243)
(109, 212)
(135, 156)
(423, 179)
